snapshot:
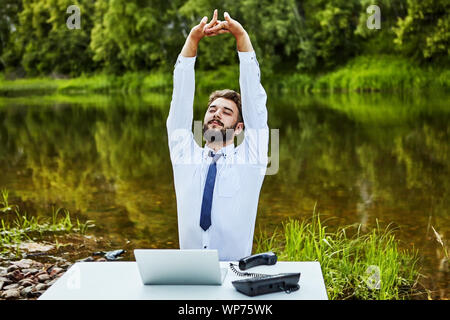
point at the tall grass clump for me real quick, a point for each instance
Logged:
(363, 266)
(367, 73)
(16, 226)
(380, 73)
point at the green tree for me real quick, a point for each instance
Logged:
(376, 41)
(45, 43)
(9, 10)
(311, 36)
(331, 25)
(424, 33)
(135, 35)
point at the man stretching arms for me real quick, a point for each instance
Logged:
(217, 187)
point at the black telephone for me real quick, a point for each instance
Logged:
(260, 283)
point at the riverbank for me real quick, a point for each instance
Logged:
(367, 266)
(358, 265)
(35, 252)
(362, 74)
(27, 279)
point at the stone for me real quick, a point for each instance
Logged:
(5, 281)
(39, 293)
(26, 282)
(25, 292)
(11, 286)
(24, 263)
(11, 294)
(35, 247)
(37, 265)
(12, 268)
(40, 273)
(30, 271)
(55, 271)
(33, 294)
(3, 271)
(43, 277)
(41, 286)
(15, 275)
(50, 283)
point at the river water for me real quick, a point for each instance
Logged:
(359, 158)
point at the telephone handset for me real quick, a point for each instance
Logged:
(266, 258)
(260, 283)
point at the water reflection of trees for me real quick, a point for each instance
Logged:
(92, 159)
(341, 151)
(111, 162)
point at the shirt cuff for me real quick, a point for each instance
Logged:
(185, 61)
(247, 56)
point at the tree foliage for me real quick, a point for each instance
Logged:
(9, 10)
(424, 33)
(43, 43)
(307, 35)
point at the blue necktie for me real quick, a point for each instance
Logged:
(205, 215)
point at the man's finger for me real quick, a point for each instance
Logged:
(221, 31)
(215, 33)
(217, 27)
(213, 28)
(202, 23)
(227, 17)
(213, 20)
(204, 20)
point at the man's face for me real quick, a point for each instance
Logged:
(221, 115)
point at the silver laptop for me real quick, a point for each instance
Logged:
(174, 266)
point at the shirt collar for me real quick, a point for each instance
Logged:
(228, 151)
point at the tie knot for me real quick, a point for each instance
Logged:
(215, 156)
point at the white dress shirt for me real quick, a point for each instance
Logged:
(240, 172)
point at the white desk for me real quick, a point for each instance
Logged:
(122, 281)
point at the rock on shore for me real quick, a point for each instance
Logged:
(27, 279)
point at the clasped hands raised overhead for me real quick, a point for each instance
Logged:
(215, 27)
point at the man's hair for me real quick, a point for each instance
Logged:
(230, 95)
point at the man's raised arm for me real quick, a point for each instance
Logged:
(253, 95)
(181, 107)
(179, 121)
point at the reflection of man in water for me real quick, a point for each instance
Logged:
(217, 187)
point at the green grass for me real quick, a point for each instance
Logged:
(364, 73)
(16, 227)
(367, 74)
(99, 83)
(366, 266)
(381, 73)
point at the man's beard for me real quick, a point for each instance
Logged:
(225, 134)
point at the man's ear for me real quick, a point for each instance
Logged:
(239, 128)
